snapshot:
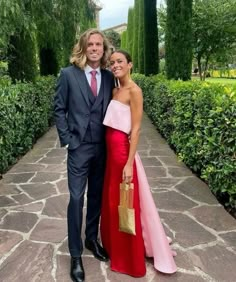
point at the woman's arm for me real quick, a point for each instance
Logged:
(136, 106)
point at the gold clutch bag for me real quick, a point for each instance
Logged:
(125, 209)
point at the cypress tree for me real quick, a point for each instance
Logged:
(179, 39)
(48, 62)
(130, 32)
(171, 38)
(22, 63)
(141, 37)
(151, 52)
(135, 52)
(79, 16)
(187, 50)
(123, 43)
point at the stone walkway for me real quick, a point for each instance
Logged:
(33, 232)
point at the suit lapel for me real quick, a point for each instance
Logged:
(82, 82)
(107, 92)
(99, 97)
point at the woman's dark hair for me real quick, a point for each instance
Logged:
(126, 54)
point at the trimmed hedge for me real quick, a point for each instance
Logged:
(25, 114)
(226, 73)
(199, 121)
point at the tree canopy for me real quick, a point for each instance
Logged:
(113, 37)
(52, 26)
(214, 30)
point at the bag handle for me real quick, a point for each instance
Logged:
(127, 195)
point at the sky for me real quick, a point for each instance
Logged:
(115, 12)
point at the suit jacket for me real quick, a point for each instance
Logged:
(71, 104)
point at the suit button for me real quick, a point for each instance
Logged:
(86, 115)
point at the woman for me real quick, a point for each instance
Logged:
(123, 120)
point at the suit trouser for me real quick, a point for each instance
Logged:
(87, 162)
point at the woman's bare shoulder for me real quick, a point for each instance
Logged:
(114, 91)
(135, 91)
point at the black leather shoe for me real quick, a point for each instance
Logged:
(77, 270)
(98, 252)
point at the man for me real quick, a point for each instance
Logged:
(82, 96)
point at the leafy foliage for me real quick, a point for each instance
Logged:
(13, 17)
(22, 63)
(199, 121)
(26, 113)
(50, 25)
(114, 38)
(214, 30)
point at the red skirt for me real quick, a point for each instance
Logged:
(126, 251)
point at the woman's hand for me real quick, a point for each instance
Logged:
(128, 173)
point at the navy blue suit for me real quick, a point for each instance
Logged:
(79, 116)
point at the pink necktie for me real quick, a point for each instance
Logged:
(94, 82)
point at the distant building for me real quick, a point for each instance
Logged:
(98, 8)
(118, 28)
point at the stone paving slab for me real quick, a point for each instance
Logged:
(33, 229)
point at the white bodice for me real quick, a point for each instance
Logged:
(118, 116)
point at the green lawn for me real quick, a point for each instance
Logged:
(217, 80)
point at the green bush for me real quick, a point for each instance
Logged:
(5, 80)
(199, 121)
(226, 73)
(3, 68)
(26, 113)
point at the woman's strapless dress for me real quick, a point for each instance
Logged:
(127, 252)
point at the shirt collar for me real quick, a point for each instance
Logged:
(88, 69)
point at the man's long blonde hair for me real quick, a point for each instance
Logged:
(79, 57)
